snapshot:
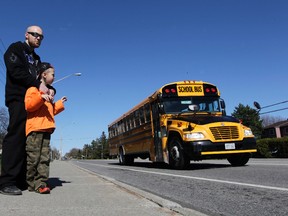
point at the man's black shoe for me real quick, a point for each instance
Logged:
(11, 190)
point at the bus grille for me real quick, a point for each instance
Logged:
(225, 132)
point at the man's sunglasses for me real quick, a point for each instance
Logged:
(36, 35)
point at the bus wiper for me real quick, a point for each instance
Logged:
(209, 112)
(184, 111)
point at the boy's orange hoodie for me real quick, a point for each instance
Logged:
(40, 113)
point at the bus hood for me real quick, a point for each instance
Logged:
(204, 119)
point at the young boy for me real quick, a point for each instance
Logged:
(40, 125)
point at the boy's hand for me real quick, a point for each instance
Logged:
(47, 97)
(64, 99)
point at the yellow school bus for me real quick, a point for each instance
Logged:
(180, 122)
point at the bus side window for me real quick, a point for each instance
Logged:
(147, 113)
(129, 122)
(110, 132)
(124, 125)
(113, 134)
(120, 127)
(141, 115)
(137, 118)
(115, 130)
(133, 120)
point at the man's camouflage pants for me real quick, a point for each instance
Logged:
(38, 159)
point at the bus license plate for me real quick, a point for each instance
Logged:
(229, 146)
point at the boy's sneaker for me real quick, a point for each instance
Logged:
(43, 190)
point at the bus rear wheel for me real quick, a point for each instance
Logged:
(177, 158)
(238, 159)
(125, 159)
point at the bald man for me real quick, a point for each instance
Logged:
(21, 73)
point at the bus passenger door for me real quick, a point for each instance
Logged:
(157, 132)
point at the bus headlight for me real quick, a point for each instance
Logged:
(248, 132)
(197, 135)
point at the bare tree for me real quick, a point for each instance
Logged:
(268, 119)
(4, 120)
(55, 154)
(75, 153)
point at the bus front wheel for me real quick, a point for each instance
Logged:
(177, 157)
(239, 159)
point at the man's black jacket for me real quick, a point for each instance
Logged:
(20, 73)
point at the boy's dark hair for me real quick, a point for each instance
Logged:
(43, 66)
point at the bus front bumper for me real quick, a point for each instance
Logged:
(219, 149)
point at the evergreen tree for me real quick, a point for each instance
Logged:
(250, 118)
(98, 149)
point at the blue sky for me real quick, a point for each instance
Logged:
(126, 49)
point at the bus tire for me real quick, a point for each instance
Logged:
(177, 158)
(125, 159)
(238, 159)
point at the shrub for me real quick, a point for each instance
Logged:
(272, 147)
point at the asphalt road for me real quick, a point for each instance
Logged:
(212, 187)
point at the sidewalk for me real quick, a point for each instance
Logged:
(79, 192)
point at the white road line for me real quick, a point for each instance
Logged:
(191, 177)
(266, 164)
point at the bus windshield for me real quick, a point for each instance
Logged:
(180, 104)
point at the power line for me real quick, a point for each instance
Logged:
(257, 105)
(2, 44)
(2, 63)
(3, 67)
(3, 77)
(273, 111)
(274, 104)
(83, 138)
(2, 82)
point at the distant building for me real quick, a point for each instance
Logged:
(276, 130)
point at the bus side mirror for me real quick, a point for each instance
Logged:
(222, 104)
